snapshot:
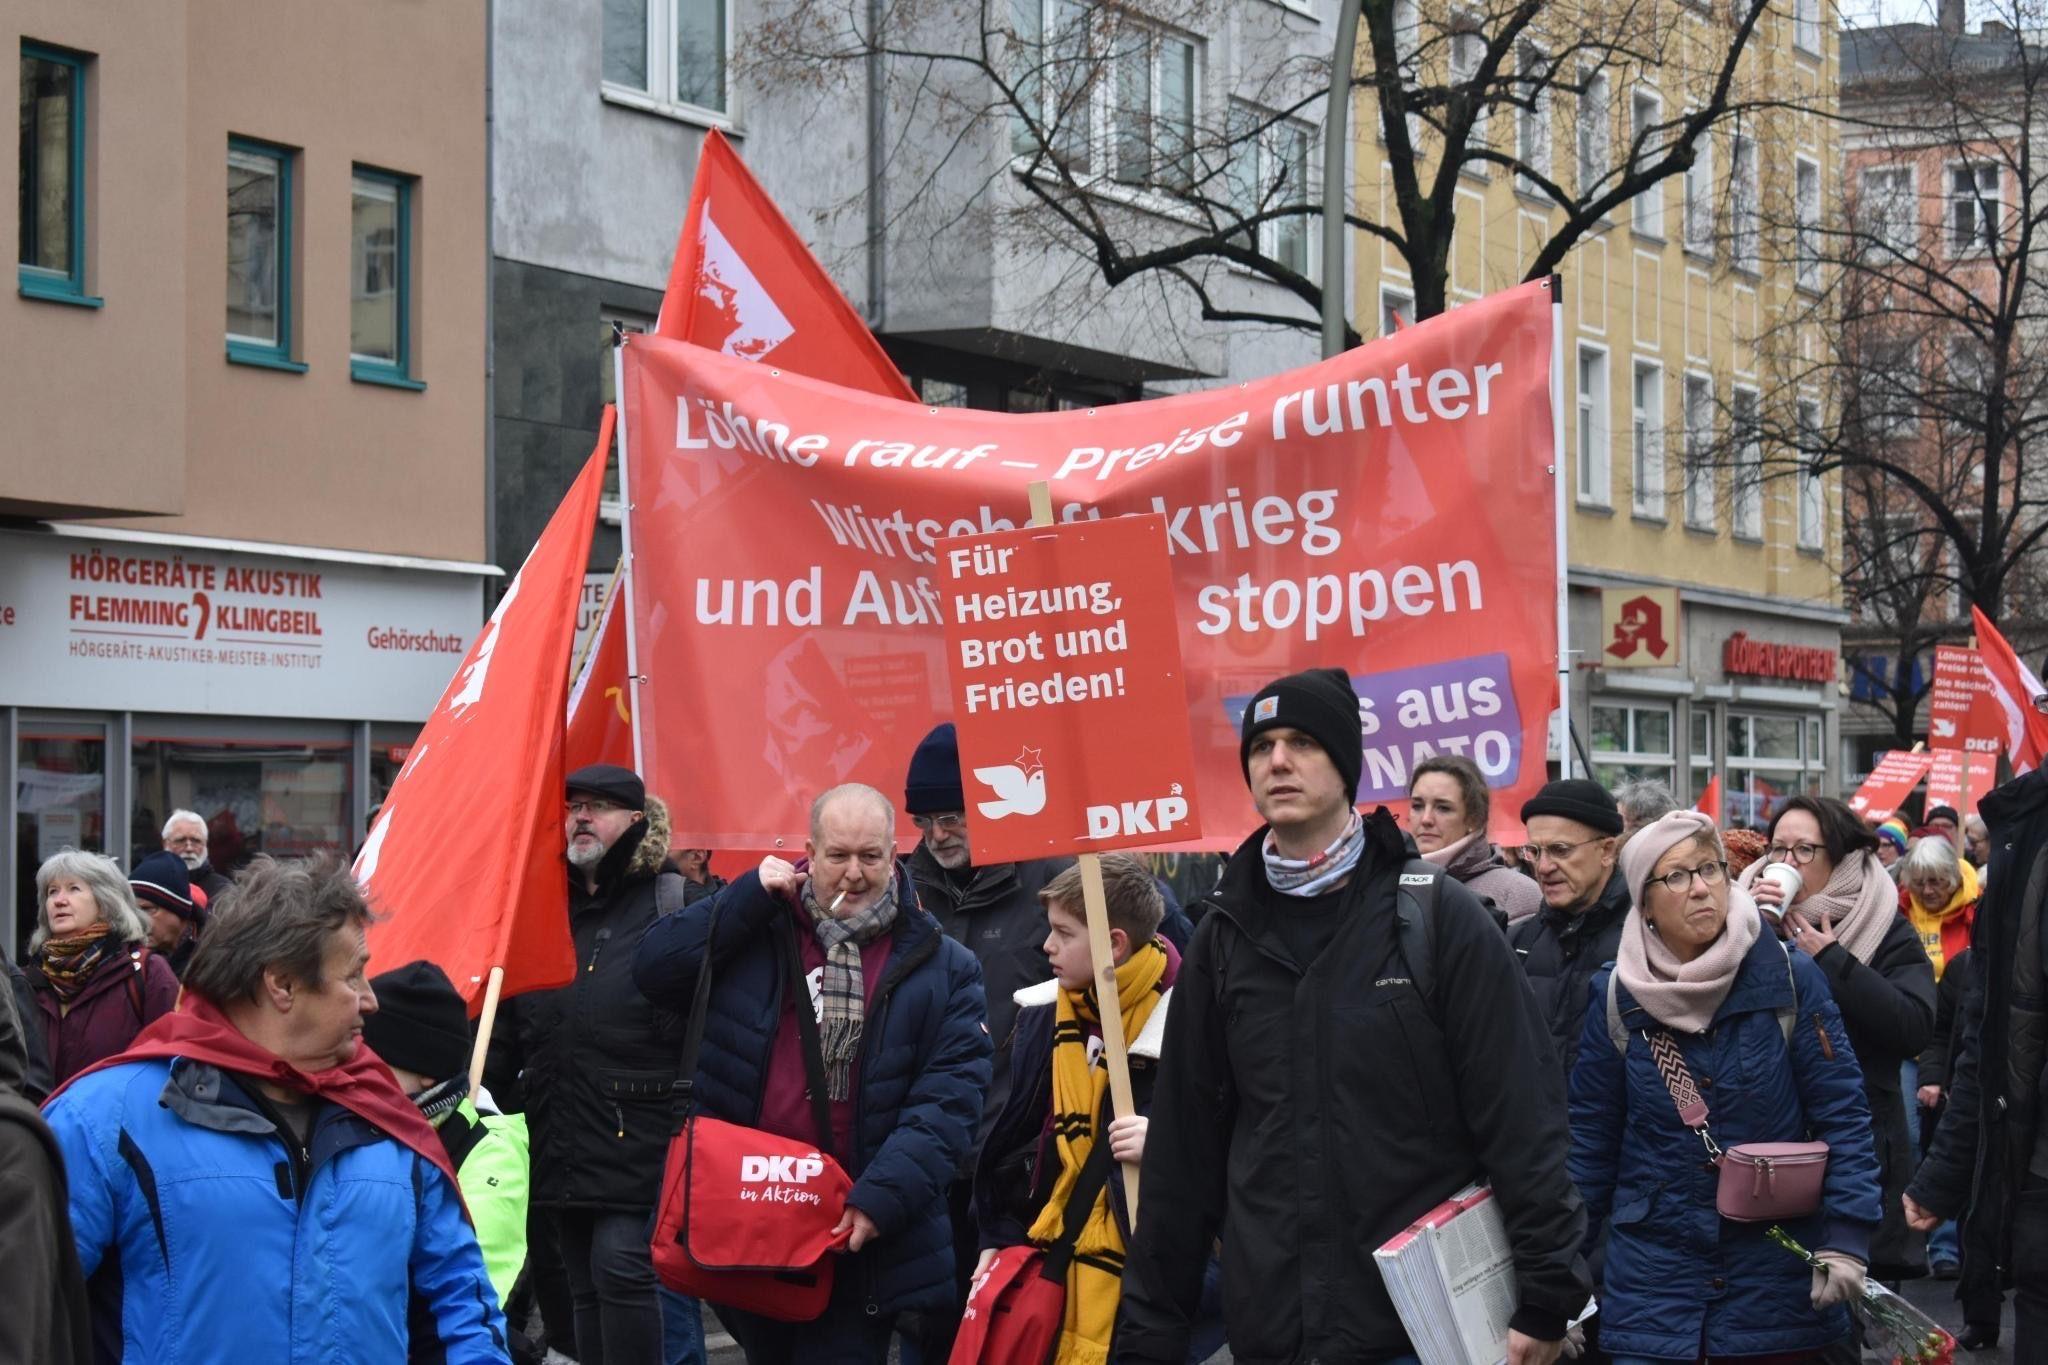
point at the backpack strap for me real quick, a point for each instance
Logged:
(1415, 908)
(1616, 1034)
(1081, 1199)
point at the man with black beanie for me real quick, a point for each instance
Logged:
(421, 1030)
(1574, 842)
(1350, 1043)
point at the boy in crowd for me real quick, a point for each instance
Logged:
(1059, 1109)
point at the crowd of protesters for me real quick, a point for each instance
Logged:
(246, 1147)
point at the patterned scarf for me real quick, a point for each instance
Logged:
(1095, 1276)
(1313, 876)
(68, 963)
(842, 994)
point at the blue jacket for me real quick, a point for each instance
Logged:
(207, 1235)
(924, 1068)
(1680, 1280)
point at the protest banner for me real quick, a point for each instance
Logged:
(465, 860)
(1962, 707)
(1951, 783)
(1067, 690)
(1379, 511)
(1898, 771)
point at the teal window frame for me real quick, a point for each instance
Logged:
(277, 356)
(38, 282)
(368, 370)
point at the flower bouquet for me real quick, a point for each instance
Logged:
(1893, 1330)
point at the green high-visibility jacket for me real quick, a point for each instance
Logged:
(489, 1151)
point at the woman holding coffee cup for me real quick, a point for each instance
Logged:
(1821, 881)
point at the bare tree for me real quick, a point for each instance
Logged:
(1092, 111)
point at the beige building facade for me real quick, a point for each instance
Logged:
(243, 507)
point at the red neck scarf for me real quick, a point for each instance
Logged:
(363, 1085)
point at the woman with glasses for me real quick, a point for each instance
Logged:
(1755, 1030)
(1844, 914)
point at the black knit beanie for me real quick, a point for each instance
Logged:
(420, 1022)
(1321, 704)
(1576, 798)
(932, 787)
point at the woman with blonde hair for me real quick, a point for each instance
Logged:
(96, 982)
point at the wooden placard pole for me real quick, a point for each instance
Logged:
(1963, 802)
(484, 1023)
(1101, 958)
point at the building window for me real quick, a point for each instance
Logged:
(1744, 234)
(1269, 170)
(1646, 111)
(1806, 230)
(1806, 25)
(1767, 766)
(1886, 387)
(1699, 452)
(1397, 309)
(1593, 475)
(670, 51)
(259, 313)
(1468, 51)
(1885, 211)
(1595, 133)
(1748, 492)
(942, 393)
(1699, 199)
(1812, 494)
(1532, 123)
(380, 279)
(1631, 744)
(1646, 439)
(1152, 126)
(1972, 208)
(1137, 123)
(52, 175)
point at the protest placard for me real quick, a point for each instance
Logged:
(1898, 771)
(1950, 783)
(1962, 707)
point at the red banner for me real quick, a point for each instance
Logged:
(600, 721)
(2022, 699)
(1898, 771)
(1945, 785)
(465, 861)
(1067, 689)
(1387, 511)
(1962, 708)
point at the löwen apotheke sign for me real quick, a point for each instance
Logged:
(1744, 657)
(143, 626)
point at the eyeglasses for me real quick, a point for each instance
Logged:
(951, 823)
(591, 807)
(186, 841)
(1791, 853)
(1557, 852)
(1680, 881)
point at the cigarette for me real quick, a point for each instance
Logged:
(833, 908)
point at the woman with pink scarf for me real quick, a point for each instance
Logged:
(1759, 1034)
(1844, 914)
(1448, 808)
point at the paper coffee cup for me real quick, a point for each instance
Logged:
(1789, 881)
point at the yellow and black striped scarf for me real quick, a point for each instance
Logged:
(1095, 1278)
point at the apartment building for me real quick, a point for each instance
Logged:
(243, 501)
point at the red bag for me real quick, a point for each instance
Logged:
(746, 1217)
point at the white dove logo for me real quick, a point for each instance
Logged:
(1019, 786)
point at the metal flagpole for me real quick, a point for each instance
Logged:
(1559, 475)
(626, 559)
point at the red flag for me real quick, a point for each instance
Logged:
(2020, 696)
(465, 862)
(744, 283)
(600, 704)
(1710, 799)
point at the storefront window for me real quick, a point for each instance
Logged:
(1631, 743)
(1771, 758)
(1702, 771)
(287, 800)
(60, 802)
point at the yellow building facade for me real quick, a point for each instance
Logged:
(1686, 314)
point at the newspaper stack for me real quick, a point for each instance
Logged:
(1452, 1279)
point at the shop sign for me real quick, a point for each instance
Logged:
(1744, 657)
(139, 626)
(1639, 627)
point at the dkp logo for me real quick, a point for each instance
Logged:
(780, 1170)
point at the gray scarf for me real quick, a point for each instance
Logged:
(842, 995)
(1314, 876)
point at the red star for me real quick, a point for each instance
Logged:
(1030, 760)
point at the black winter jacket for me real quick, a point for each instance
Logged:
(1988, 1132)
(1956, 980)
(1560, 953)
(593, 1064)
(1310, 1114)
(1888, 1011)
(36, 1080)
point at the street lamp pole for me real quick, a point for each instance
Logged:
(1336, 175)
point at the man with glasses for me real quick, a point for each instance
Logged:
(185, 835)
(1574, 832)
(592, 1064)
(996, 913)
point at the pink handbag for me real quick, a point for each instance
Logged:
(1761, 1182)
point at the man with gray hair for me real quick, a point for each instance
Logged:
(185, 834)
(1642, 802)
(903, 1051)
(249, 1176)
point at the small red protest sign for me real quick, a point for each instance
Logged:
(1898, 771)
(1068, 693)
(1945, 785)
(1962, 708)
